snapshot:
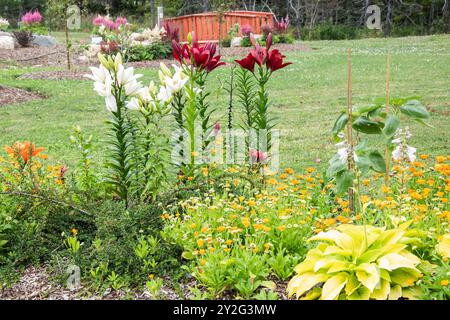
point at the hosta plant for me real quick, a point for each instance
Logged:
(358, 263)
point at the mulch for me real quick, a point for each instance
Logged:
(9, 95)
(36, 284)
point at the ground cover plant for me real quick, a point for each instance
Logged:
(120, 185)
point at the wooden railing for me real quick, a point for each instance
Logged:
(206, 25)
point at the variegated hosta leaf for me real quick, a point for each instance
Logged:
(300, 284)
(368, 275)
(443, 248)
(341, 239)
(333, 287)
(395, 293)
(394, 261)
(405, 277)
(381, 291)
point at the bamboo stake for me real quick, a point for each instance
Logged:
(388, 109)
(351, 200)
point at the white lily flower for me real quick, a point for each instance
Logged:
(111, 103)
(133, 104)
(98, 74)
(132, 88)
(104, 88)
(164, 95)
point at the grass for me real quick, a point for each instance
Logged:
(306, 98)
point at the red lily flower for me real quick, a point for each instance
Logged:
(275, 61)
(214, 63)
(181, 53)
(247, 63)
(201, 57)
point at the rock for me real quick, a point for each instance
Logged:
(5, 34)
(96, 40)
(44, 41)
(7, 43)
(236, 42)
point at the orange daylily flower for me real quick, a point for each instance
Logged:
(25, 150)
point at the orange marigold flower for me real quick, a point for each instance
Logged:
(445, 283)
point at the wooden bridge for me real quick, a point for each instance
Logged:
(206, 25)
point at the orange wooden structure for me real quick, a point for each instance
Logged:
(206, 25)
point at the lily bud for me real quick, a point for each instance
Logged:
(152, 88)
(165, 70)
(189, 38)
(117, 61)
(103, 60)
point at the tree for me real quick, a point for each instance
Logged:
(59, 12)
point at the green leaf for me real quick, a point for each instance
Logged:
(364, 125)
(187, 255)
(344, 180)
(391, 125)
(335, 167)
(360, 110)
(414, 109)
(377, 161)
(340, 124)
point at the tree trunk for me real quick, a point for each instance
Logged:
(446, 16)
(388, 29)
(68, 45)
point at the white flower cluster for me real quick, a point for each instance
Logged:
(344, 149)
(4, 24)
(112, 80)
(403, 150)
(148, 36)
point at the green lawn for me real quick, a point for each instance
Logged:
(306, 97)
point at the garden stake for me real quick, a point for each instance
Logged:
(388, 107)
(351, 200)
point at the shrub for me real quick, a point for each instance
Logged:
(246, 42)
(358, 262)
(157, 50)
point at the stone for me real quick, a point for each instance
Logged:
(44, 41)
(96, 40)
(5, 34)
(236, 42)
(7, 43)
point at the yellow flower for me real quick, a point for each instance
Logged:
(200, 243)
(289, 171)
(440, 159)
(251, 203)
(366, 182)
(445, 283)
(74, 231)
(151, 276)
(424, 156)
